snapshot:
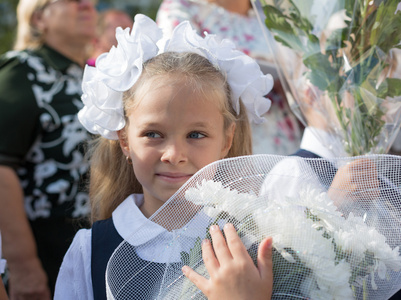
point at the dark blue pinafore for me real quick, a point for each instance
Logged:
(329, 170)
(105, 239)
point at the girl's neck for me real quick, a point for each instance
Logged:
(150, 204)
(147, 210)
(235, 6)
(174, 215)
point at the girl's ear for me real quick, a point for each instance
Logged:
(229, 140)
(122, 137)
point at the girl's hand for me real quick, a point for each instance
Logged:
(357, 181)
(233, 275)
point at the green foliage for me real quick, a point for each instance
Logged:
(372, 30)
(7, 24)
(288, 276)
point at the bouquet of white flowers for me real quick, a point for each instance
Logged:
(339, 61)
(324, 247)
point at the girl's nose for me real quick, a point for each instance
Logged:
(174, 153)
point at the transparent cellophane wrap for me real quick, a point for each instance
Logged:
(330, 241)
(346, 81)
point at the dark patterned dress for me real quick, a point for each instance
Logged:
(42, 139)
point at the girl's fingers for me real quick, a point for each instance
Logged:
(362, 164)
(363, 175)
(265, 260)
(361, 168)
(209, 258)
(221, 250)
(200, 281)
(234, 243)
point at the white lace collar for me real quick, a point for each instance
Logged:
(142, 233)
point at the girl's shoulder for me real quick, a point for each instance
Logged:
(74, 278)
(82, 239)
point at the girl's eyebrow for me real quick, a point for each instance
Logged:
(202, 124)
(196, 124)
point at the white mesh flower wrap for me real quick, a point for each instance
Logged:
(325, 246)
(118, 70)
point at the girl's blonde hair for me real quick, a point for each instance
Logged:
(112, 179)
(28, 36)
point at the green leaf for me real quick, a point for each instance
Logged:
(353, 60)
(313, 44)
(184, 258)
(196, 252)
(387, 24)
(390, 87)
(276, 20)
(337, 39)
(192, 258)
(290, 42)
(321, 73)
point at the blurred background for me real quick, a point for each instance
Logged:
(8, 20)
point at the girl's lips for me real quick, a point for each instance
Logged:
(174, 177)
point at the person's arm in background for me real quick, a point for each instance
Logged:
(172, 13)
(18, 129)
(3, 294)
(27, 277)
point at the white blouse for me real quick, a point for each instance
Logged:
(74, 280)
(284, 179)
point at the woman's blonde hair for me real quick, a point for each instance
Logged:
(112, 179)
(28, 36)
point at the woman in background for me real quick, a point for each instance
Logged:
(42, 164)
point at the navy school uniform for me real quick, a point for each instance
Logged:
(105, 240)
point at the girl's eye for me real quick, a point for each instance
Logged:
(196, 135)
(152, 135)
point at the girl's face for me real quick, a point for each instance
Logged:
(172, 133)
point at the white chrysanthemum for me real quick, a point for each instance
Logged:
(291, 229)
(207, 193)
(210, 193)
(313, 238)
(351, 234)
(333, 279)
(356, 237)
(320, 205)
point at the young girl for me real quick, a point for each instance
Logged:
(165, 109)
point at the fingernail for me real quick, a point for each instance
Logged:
(270, 243)
(205, 241)
(184, 270)
(213, 227)
(228, 225)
